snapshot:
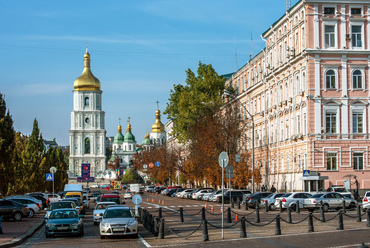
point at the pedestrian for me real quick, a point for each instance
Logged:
(273, 190)
(263, 188)
(1, 217)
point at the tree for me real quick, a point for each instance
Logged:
(7, 146)
(185, 102)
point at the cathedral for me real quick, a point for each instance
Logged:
(87, 134)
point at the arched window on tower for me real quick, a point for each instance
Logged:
(87, 146)
(87, 102)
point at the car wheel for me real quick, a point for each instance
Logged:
(293, 207)
(32, 213)
(47, 235)
(81, 232)
(102, 236)
(17, 216)
(95, 223)
(325, 207)
(352, 205)
(272, 207)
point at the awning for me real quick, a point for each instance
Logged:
(313, 178)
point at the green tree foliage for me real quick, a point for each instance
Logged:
(185, 102)
(7, 146)
(131, 176)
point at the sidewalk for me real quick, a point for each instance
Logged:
(16, 232)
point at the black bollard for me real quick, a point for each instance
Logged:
(368, 218)
(156, 227)
(144, 218)
(344, 206)
(280, 206)
(246, 205)
(358, 219)
(266, 206)
(363, 246)
(340, 221)
(322, 214)
(229, 215)
(297, 208)
(205, 231)
(277, 225)
(161, 229)
(181, 215)
(310, 222)
(257, 220)
(243, 232)
(160, 213)
(238, 203)
(232, 203)
(151, 229)
(203, 213)
(289, 215)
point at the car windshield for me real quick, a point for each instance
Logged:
(111, 199)
(316, 196)
(118, 213)
(59, 205)
(340, 190)
(63, 214)
(103, 206)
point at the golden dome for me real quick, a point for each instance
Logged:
(146, 136)
(87, 81)
(158, 126)
(119, 128)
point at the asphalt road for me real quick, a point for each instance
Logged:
(179, 234)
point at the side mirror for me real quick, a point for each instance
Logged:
(45, 209)
(77, 207)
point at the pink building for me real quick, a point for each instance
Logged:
(309, 93)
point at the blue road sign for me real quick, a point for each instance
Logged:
(306, 173)
(49, 177)
(157, 164)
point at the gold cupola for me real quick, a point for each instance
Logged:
(87, 81)
(158, 126)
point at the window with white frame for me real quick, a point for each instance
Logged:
(356, 11)
(272, 133)
(329, 10)
(357, 121)
(330, 79)
(305, 161)
(303, 40)
(356, 36)
(358, 160)
(287, 128)
(297, 85)
(298, 124)
(286, 90)
(299, 162)
(282, 130)
(331, 121)
(304, 123)
(331, 161)
(303, 81)
(329, 36)
(357, 79)
(287, 164)
(282, 164)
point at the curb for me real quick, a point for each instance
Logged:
(20, 239)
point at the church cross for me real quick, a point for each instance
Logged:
(128, 121)
(157, 104)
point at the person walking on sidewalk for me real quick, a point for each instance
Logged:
(1, 217)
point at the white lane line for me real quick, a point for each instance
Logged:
(144, 241)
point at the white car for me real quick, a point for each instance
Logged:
(290, 200)
(183, 193)
(200, 192)
(118, 221)
(128, 195)
(99, 210)
(366, 201)
(54, 198)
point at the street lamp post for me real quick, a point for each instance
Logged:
(229, 94)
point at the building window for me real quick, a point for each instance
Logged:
(357, 122)
(330, 79)
(87, 101)
(331, 122)
(357, 79)
(356, 36)
(358, 161)
(298, 124)
(329, 11)
(305, 161)
(331, 161)
(329, 36)
(299, 163)
(282, 131)
(287, 128)
(355, 11)
(304, 123)
(87, 146)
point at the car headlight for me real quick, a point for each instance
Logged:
(105, 224)
(75, 224)
(50, 224)
(131, 223)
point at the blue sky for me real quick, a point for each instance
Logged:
(139, 50)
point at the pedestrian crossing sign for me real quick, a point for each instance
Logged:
(49, 177)
(306, 173)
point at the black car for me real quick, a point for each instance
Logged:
(13, 210)
(171, 191)
(255, 197)
(235, 195)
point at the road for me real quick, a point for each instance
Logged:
(259, 235)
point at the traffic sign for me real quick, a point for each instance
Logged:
(229, 175)
(151, 165)
(237, 157)
(306, 173)
(137, 199)
(145, 166)
(49, 177)
(223, 159)
(230, 169)
(157, 163)
(53, 169)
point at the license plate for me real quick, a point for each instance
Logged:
(63, 228)
(119, 229)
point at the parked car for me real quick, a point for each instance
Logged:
(171, 191)
(60, 205)
(207, 196)
(328, 200)
(178, 192)
(196, 194)
(118, 220)
(54, 198)
(13, 210)
(251, 199)
(341, 190)
(290, 200)
(64, 221)
(32, 205)
(184, 194)
(231, 195)
(270, 201)
(149, 188)
(99, 210)
(27, 197)
(366, 201)
(44, 201)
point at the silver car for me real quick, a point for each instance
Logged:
(289, 200)
(99, 210)
(328, 200)
(270, 200)
(117, 221)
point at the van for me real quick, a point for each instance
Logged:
(77, 195)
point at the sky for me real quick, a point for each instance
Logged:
(139, 50)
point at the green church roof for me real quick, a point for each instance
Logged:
(129, 137)
(118, 139)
